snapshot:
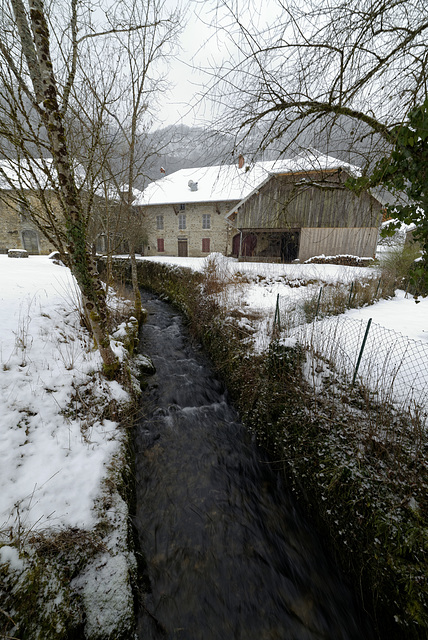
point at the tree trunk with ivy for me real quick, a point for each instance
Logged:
(135, 283)
(36, 49)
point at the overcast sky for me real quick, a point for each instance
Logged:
(198, 47)
(202, 47)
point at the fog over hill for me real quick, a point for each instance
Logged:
(178, 146)
(174, 147)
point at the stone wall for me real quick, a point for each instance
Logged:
(17, 231)
(193, 239)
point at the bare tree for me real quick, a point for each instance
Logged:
(124, 101)
(321, 70)
(142, 52)
(45, 52)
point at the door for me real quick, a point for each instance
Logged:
(249, 245)
(290, 241)
(236, 243)
(30, 241)
(182, 248)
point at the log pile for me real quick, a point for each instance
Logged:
(345, 260)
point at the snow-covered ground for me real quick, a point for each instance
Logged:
(52, 463)
(394, 363)
(400, 314)
(55, 446)
(51, 467)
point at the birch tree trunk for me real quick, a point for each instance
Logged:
(35, 46)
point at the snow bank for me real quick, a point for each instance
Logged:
(54, 448)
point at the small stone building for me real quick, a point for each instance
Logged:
(17, 231)
(22, 187)
(22, 184)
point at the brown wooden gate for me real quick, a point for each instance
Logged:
(249, 245)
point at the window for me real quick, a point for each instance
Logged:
(205, 245)
(206, 221)
(159, 223)
(182, 221)
(182, 207)
(23, 209)
(161, 244)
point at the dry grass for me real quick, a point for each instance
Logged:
(335, 299)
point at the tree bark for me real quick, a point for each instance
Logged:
(37, 54)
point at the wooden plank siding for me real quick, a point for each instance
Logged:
(330, 220)
(358, 241)
(280, 204)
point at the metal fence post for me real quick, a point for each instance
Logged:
(318, 303)
(350, 295)
(378, 287)
(277, 318)
(361, 350)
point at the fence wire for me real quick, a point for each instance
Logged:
(393, 366)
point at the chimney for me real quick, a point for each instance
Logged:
(241, 161)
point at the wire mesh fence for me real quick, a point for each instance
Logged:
(389, 364)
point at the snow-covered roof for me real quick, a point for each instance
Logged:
(307, 161)
(40, 174)
(203, 184)
(21, 174)
(223, 183)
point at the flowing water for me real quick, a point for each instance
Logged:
(229, 555)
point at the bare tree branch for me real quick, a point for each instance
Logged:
(361, 61)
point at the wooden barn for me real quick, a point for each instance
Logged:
(302, 210)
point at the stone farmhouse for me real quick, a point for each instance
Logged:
(183, 214)
(275, 211)
(17, 231)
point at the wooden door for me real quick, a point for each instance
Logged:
(182, 248)
(249, 245)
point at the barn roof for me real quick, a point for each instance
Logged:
(225, 183)
(310, 160)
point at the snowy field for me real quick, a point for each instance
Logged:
(52, 464)
(394, 364)
(400, 314)
(52, 461)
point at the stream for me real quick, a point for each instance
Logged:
(230, 555)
